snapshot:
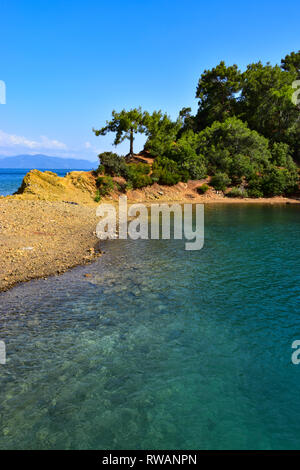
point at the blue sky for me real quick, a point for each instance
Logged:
(67, 64)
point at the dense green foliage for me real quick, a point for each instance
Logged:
(105, 185)
(237, 192)
(167, 171)
(203, 188)
(111, 164)
(97, 196)
(161, 132)
(216, 91)
(138, 175)
(266, 100)
(245, 134)
(291, 63)
(220, 181)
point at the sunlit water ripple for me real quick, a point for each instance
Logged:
(161, 348)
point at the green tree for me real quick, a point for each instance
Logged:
(292, 137)
(161, 131)
(184, 151)
(217, 92)
(231, 147)
(281, 154)
(188, 121)
(291, 63)
(124, 124)
(266, 100)
(278, 182)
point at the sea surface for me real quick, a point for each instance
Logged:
(11, 179)
(161, 348)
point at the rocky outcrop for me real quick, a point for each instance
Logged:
(76, 186)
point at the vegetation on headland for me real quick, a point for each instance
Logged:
(245, 135)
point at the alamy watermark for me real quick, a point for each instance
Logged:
(2, 353)
(2, 92)
(296, 354)
(148, 222)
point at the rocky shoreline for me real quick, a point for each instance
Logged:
(39, 239)
(51, 226)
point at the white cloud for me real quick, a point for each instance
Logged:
(44, 143)
(12, 144)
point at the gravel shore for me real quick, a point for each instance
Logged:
(40, 238)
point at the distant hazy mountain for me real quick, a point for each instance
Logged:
(44, 162)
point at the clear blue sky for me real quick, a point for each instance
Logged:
(67, 64)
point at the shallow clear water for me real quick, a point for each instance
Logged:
(161, 348)
(11, 179)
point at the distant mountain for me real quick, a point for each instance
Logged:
(44, 162)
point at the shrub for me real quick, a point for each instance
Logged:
(163, 176)
(166, 164)
(121, 187)
(240, 167)
(128, 186)
(196, 168)
(202, 189)
(97, 197)
(112, 164)
(278, 182)
(142, 168)
(255, 186)
(184, 153)
(255, 193)
(105, 185)
(274, 182)
(138, 175)
(139, 181)
(237, 192)
(168, 172)
(220, 181)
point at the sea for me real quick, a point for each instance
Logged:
(161, 348)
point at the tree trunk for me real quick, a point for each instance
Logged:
(131, 143)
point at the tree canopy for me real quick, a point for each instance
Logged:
(245, 134)
(124, 124)
(291, 63)
(267, 100)
(217, 91)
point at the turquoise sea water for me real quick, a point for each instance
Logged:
(161, 348)
(11, 179)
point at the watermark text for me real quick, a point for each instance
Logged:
(152, 222)
(2, 353)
